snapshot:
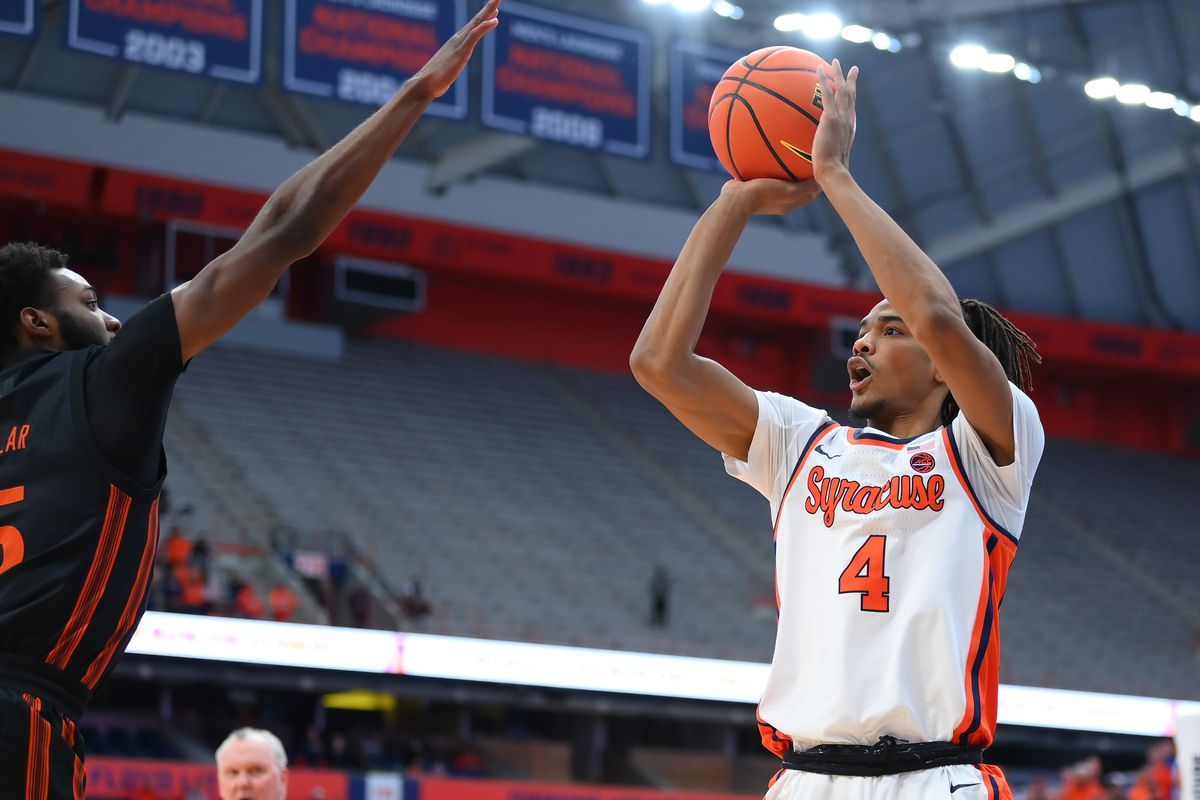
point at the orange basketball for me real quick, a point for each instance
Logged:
(763, 114)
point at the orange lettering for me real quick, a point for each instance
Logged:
(920, 495)
(813, 503)
(846, 495)
(870, 499)
(937, 484)
(827, 495)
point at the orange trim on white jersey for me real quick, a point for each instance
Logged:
(981, 680)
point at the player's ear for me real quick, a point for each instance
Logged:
(38, 325)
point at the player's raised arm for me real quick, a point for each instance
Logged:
(702, 394)
(309, 205)
(914, 285)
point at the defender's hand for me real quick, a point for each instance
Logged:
(440, 72)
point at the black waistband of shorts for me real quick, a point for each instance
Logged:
(889, 757)
(42, 680)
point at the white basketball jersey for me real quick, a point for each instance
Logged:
(891, 562)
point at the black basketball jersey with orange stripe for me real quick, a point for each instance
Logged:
(78, 536)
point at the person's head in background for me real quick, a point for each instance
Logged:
(251, 765)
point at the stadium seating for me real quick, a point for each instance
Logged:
(535, 502)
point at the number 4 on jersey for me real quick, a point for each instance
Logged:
(864, 575)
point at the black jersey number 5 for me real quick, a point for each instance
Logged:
(12, 546)
(864, 575)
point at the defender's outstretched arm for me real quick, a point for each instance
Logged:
(309, 205)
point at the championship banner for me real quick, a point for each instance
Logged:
(569, 80)
(18, 17)
(361, 51)
(696, 69)
(216, 38)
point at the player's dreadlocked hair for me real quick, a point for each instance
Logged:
(26, 279)
(1014, 348)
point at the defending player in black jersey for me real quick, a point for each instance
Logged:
(83, 404)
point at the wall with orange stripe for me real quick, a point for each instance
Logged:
(493, 291)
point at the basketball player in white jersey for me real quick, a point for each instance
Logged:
(893, 541)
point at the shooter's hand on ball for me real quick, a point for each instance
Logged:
(440, 72)
(769, 195)
(835, 133)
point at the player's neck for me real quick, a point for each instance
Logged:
(19, 354)
(907, 425)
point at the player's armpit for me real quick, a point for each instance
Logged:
(708, 399)
(975, 378)
(226, 290)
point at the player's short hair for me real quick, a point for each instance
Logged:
(243, 734)
(1011, 345)
(26, 279)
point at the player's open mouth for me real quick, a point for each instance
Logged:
(860, 373)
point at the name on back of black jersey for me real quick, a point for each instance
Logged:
(18, 439)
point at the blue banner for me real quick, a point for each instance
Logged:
(569, 80)
(695, 71)
(362, 50)
(215, 38)
(18, 16)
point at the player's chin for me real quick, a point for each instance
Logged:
(863, 406)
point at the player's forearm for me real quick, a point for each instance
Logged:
(311, 203)
(297, 217)
(906, 276)
(668, 339)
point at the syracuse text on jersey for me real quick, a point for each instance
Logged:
(828, 494)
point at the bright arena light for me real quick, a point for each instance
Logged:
(1161, 100)
(727, 9)
(1182, 107)
(997, 63)
(1022, 71)
(1195, 114)
(857, 34)
(1133, 93)
(790, 22)
(1101, 88)
(691, 6)
(968, 56)
(881, 41)
(821, 26)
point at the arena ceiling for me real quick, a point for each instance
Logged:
(1032, 196)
